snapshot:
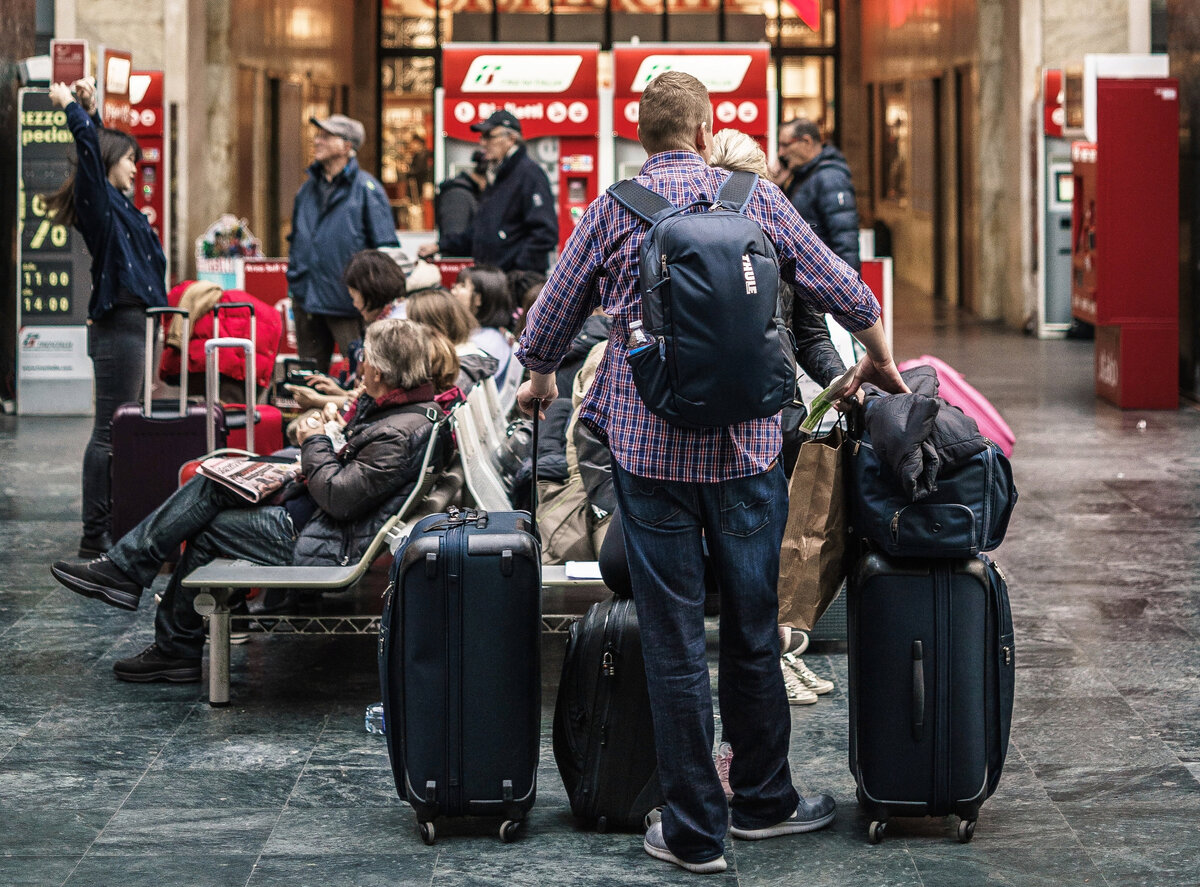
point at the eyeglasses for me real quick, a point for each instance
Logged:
(489, 135)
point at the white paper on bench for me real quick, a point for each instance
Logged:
(583, 569)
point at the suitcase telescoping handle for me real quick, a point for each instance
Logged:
(211, 385)
(533, 489)
(918, 690)
(225, 306)
(152, 315)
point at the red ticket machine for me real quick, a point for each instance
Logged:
(552, 88)
(147, 123)
(734, 73)
(1125, 240)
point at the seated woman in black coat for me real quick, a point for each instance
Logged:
(330, 517)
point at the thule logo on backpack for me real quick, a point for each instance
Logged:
(748, 275)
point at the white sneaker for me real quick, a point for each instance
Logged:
(820, 686)
(797, 693)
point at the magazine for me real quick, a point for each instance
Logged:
(252, 477)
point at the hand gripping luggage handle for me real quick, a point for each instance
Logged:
(211, 386)
(151, 315)
(918, 691)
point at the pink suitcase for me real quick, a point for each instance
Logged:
(953, 388)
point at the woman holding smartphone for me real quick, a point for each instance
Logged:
(128, 276)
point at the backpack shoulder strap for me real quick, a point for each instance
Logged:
(736, 190)
(639, 200)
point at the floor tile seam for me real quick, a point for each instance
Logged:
(1066, 819)
(1149, 728)
(284, 806)
(128, 794)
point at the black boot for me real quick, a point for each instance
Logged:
(153, 665)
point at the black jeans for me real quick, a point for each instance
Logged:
(117, 346)
(215, 522)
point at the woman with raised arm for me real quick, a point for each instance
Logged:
(128, 275)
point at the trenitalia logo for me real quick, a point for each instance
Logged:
(521, 73)
(718, 73)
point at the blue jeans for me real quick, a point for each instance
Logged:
(117, 346)
(215, 522)
(742, 520)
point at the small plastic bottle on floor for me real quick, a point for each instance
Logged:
(373, 719)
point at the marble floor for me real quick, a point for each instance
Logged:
(103, 783)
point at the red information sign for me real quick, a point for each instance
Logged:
(734, 73)
(114, 70)
(68, 60)
(550, 88)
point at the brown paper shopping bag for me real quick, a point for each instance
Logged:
(812, 562)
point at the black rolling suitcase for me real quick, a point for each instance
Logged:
(150, 443)
(931, 661)
(603, 730)
(460, 667)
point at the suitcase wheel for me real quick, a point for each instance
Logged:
(428, 832)
(508, 830)
(876, 829)
(966, 830)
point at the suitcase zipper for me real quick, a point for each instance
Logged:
(454, 583)
(599, 738)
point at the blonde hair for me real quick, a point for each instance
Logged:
(443, 359)
(442, 311)
(672, 107)
(736, 151)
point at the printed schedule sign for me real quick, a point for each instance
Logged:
(53, 280)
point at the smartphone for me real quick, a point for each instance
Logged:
(301, 377)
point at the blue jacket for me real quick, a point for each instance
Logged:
(822, 193)
(126, 253)
(357, 216)
(516, 224)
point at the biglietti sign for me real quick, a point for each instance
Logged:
(551, 89)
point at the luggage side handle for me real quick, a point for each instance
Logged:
(918, 690)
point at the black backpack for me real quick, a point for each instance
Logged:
(720, 352)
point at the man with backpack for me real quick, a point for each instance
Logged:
(682, 482)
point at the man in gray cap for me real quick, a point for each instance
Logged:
(516, 224)
(340, 210)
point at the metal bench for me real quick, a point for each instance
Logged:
(470, 469)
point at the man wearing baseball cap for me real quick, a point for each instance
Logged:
(516, 225)
(340, 210)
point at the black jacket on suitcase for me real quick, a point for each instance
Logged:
(460, 667)
(603, 729)
(931, 659)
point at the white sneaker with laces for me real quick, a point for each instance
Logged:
(820, 686)
(657, 847)
(797, 693)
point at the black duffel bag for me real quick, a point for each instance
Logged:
(967, 513)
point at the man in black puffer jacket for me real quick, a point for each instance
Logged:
(516, 224)
(816, 178)
(348, 492)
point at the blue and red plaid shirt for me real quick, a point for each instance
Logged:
(641, 442)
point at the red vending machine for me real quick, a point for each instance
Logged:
(553, 89)
(1125, 240)
(734, 73)
(147, 123)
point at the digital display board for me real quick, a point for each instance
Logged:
(53, 279)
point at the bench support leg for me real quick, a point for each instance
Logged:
(214, 604)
